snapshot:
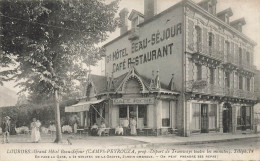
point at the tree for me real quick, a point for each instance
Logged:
(52, 42)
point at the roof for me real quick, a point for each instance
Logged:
(133, 13)
(241, 20)
(206, 1)
(228, 11)
(100, 83)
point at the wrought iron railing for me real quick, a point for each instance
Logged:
(203, 87)
(206, 50)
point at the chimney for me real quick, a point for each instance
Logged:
(123, 21)
(150, 9)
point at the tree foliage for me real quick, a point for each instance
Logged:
(52, 41)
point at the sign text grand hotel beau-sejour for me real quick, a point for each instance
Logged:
(119, 58)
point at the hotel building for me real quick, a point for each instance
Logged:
(185, 70)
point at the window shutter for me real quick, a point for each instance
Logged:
(205, 40)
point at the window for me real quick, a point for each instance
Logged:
(195, 116)
(199, 39)
(227, 48)
(226, 19)
(142, 116)
(240, 56)
(123, 112)
(135, 22)
(210, 9)
(212, 116)
(165, 113)
(248, 84)
(199, 71)
(212, 75)
(211, 42)
(240, 82)
(248, 58)
(227, 79)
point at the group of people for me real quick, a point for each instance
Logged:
(122, 129)
(98, 130)
(35, 130)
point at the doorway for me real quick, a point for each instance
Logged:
(227, 118)
(204, 118)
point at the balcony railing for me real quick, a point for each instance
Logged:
(230, 59)
(208, 51)
(203, 87)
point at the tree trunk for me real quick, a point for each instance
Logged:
(57, 117)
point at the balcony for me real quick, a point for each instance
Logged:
(210, 52)
(134, 33)
(205, 88)
(246, 66)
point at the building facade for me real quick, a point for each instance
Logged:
(187, 69)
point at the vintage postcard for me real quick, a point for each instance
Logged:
(129, 80)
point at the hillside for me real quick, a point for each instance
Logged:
(8, 97)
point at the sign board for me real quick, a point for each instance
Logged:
(124, 101)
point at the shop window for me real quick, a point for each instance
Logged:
(248, 116)
(165, 113)
(244, 117)
(212, 116)
(239, 116)
(123, 112)
(142, 116)
(240, 82)
(195, 116)
(199, 71)
(212, 75)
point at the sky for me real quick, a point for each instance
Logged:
(249, 9)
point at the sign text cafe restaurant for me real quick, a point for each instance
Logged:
(128, 96)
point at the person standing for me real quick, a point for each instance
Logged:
(125, 124)
(35, 126)
(133, 126)
(6, 129)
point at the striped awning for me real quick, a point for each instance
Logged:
(82, 106)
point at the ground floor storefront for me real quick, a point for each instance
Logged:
(224, 117)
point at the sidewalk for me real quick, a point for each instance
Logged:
(193, 139)
(132, 141)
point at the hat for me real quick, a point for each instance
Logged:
(7, 117)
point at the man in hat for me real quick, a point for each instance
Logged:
(6, 129)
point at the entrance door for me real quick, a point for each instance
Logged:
(204, 118)
(227, 118)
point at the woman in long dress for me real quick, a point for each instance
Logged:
(35, 126)
(133, 126)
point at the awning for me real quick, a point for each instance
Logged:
(82, 106)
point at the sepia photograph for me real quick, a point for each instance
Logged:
(129, 80)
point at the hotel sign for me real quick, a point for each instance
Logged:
(124, 101)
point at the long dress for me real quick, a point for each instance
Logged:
(35, 131)
(133, 127)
